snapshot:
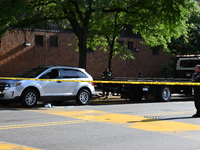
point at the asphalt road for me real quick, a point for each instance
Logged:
(111, 124)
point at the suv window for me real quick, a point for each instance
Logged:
(66, 73)
(80, 74)
(189, 63)
(31, 73)
(53, 74)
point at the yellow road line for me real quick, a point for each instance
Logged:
(41, 124)
(9, 146)
(132, 121)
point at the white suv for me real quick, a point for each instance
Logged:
(53, 85)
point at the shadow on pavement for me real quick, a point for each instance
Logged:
(111, 100)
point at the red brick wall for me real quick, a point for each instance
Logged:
(15, 56)
(144, 61)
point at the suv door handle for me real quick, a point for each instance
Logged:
(59, 81)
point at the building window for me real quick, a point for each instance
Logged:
(130, 46)
(121, 43)
(53, 41)
(39, 40)
(155, 50)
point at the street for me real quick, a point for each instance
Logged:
(102, 125)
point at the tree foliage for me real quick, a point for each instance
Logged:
(189, 44)
(163, 20)
(104, 32)
(157, 20)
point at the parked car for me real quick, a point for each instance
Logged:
(53, 85)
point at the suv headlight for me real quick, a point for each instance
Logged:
(13, 84)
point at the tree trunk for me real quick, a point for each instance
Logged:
(82, 57)
(110, 57)
(82, 51)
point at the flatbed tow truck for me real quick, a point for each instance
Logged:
(154, 89)
(157, 89)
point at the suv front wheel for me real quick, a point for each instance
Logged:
(83, 97)
(29, 98)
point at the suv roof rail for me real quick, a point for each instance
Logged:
(56, 66)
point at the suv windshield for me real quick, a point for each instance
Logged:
(31, 73)
(189, 63)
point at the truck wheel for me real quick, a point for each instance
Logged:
(164, 94)
(29, 98)
(83, 97)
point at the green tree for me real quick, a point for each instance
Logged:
(163, 20)
(189, 44)
(105, 36)
(156, 20)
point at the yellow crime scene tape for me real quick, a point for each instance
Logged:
(112, 82)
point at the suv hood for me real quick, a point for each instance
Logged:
(8, 81)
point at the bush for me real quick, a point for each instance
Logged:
(167, 70)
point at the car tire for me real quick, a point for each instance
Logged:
(83, 97)
(29, 98)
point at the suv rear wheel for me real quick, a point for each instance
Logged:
(83, 97)
(29, 98)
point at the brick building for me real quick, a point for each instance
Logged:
(22, 49)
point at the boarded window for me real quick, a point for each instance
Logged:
(53, 41)
(39, 40)
(155, 50)
(130, 45)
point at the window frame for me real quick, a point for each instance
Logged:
(53, 41)
(39, 40)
